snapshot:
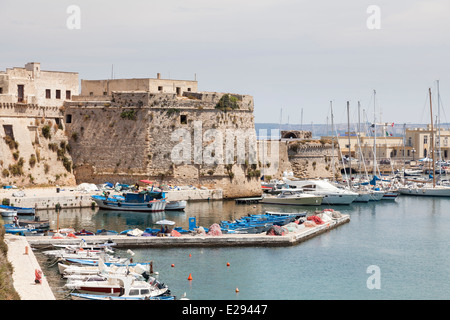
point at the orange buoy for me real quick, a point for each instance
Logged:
(190, 277)
(237, 290)
(228, 264)
(172, 265)
(189, 255)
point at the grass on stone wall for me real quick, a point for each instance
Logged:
(7, 291)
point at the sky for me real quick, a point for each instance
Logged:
(293, 57)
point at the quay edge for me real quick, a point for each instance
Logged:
(225, 240)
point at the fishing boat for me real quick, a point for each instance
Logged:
(37, 223)
(20, 210)
(119, 285)
(148, 201)
(259, 222)
(176, 205)
(15, 229)
(8, 213)
(330, 193)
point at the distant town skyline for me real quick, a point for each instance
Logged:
(289, 55)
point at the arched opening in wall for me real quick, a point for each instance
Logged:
(289, 135)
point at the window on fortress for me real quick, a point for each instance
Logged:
(48, 94)
(1, 90)
(189, 89)
(58, 94)
(68, 95)
(160, 88)
(68, 118)
(183, 119)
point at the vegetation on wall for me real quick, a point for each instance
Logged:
(129, 114)
(227, 102)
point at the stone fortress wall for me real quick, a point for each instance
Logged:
(128, 136)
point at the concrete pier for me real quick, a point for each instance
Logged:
(225, 240)
(24, 261)
(25, 264)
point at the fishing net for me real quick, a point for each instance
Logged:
(215, 230)
(315, 219)
(275, 231)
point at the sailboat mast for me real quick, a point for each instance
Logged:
(374, 135)
(349, 145)
(332, 140)
(432, 140)
(439, 128)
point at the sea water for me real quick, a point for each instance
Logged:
(389, 250)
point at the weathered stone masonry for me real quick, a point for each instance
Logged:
(127, 136)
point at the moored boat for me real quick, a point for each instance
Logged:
(293, 197)
(176, 205)
(330, 193)
(8, 213)
(147, 201)
(118, 285)
(20, 210)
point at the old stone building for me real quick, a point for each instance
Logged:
(32, 138)
(150, 85)
(166, 131)
(33, 86)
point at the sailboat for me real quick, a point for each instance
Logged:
(427, 189)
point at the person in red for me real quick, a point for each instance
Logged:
(38, 276)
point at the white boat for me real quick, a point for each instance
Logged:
(425, 190)
(363, 196)
(413, 172)
(390, 195)
(293, 197)
(8, 212)
(80, 272)
(176, 205)
(376, 195)
(330, 193)
(119, 286)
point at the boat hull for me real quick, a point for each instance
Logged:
(429, 192)
(338, 199)
(302, 201)
(390, 196)
(20, 210)
(151, 206)
(176, 205)
(362, 197)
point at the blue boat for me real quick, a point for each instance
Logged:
(258, 223)
(148, 201)
(20, 210)
(12, 228)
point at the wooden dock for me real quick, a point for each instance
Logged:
(225, 240)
